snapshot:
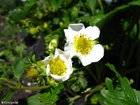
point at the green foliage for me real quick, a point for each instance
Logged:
(19, 67)
(96, 99)
(8, 96)
(119, 25)
(52, 95)
(32, 100)
(120, 94)
(78, 82)
(6, 5)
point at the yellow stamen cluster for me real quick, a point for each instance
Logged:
(57, 66)
(83, 44)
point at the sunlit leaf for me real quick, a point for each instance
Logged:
(19, 67)
(8, 96)
(34, 100)
(52, 95)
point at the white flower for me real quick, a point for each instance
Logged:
(59, 67)
(80, 42)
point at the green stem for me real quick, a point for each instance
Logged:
(18, 86)
(75, 98)
(27, 88)
(101, 6)
(91, 73)
(138, 63)
(88, 90)
(8, 81)
(130, 71)
(93, 90)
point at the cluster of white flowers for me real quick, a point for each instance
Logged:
(80, 42)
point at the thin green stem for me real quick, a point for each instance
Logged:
(8, 81)
(130, 71)
(93, 89)
(75, 98)
(18, 86)
(91, 73)
(101, 6)
(138, 63)
(28, 88)
(130, 55)
(90, 90)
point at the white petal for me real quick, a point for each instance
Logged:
(63, 55)
(48, 70)
(56, 77)
(92, 32)
(72, 31)
(45, 61)
(95, 55)
(69, 49)
(69, 35)
(57, 52)
(65, 78)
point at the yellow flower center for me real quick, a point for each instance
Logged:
(83, 44)
(57, 66)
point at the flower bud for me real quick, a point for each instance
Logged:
(33, 30)
(52, 45)
(33, 73)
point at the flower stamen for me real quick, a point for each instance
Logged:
(83, 44)
(57, 66)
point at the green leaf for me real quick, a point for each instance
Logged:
(114, 98)
(101, 19)
(34, 100)
(137, 93)
(19, 67)
(51, 96)
(29, 4)
(122, 94)
(112, 67)
(8, 96)
(128, 91)
(109, 84)
(55, 4)
(17, 15)
(91, 5)
(96, 99)
(79, 82)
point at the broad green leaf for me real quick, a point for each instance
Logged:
(122, 94)
(17, 15)
(91, 5)
(101, 19)
(96, 99)
(8, 96)
(29, 5)
(19, 67)
(128, 91)
(50, 97)
(55, 4)
(137, 93)
(109, 84)
(114, 98)
(34, 100)
(79, 82)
